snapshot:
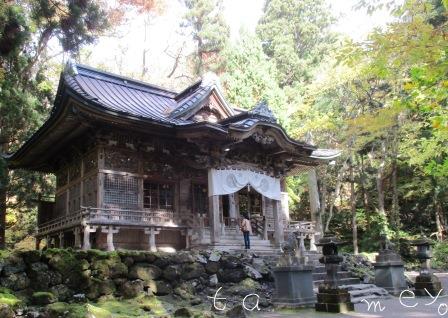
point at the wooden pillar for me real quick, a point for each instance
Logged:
(152, 232)
(232, 206)
(215, 224)
(278, 224)
(38, 239)
(77, 233)
(61, 239)
(110, 231)
(86, 242)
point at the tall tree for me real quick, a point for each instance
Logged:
(210, 32)
(296, 35)
(26, 29)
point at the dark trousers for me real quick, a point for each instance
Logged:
(246, 239)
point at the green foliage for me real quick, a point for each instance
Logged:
(440, 255)
(209, 30)
(295, 34)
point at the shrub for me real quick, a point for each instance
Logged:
(440, 253)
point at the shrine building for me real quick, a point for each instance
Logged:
(141, 167)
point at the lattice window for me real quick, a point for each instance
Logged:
(158, 196)
(61, 178)
(90, 191)
(91, 162)
(74, 171)
(121, 161)
(200, 198)
(61, 204)
(74, 198)
(121, 191)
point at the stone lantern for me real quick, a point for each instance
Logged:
(331, 298)
(426, 280)
(389, 268)
(293, 278)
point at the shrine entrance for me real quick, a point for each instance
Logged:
(250, 202)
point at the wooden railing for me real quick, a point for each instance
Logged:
(303, 230)
(114, 216)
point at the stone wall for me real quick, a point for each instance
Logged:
(188, 276)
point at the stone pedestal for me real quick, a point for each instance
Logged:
(293, 286)
(389, 272)
(335, 300)
(330, 297)
(429, 282)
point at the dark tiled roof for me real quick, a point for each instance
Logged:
(123, 95)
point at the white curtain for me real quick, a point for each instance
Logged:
(227, 181)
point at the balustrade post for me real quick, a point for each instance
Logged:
(152, 238)
(110, 231)
(77, 233)
(61, 239)
(313, 246)
(86, 242)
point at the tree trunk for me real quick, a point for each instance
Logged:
(440, 219)
(353, 207)
(335, 194)
(3, 189)
(314, 200)
(323, 202)
(395, 213)
(362, 183)
(380, 188)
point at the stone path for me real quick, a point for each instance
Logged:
(424, 307)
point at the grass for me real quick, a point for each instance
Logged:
(8, 298)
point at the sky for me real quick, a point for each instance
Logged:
(164, 38)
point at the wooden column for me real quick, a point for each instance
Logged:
(278, 223)
(232, 206)
(110, 231)
(86, 242)
(77, 233)
(214, 219)
(38, 239)
(152, 232)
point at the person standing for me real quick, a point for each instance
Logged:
(246, 228)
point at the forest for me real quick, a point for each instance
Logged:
(382, 101)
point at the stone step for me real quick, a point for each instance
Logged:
(321, 276)
(342, 281)
(358, 292)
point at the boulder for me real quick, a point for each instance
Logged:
(231, 275)
(32, 256)
(191, 271)
(171, 273)
(230, 262)
(15, 281)
(131, 289)
(6, 311)
(43, 298)
(183, 312)
(215, 256)
(61, 292)
(162, 261)
(212, 267)
(106, 287)
(237, 312)
(252, 272)
(182, 258)
(162, 288)
(213, 281)
(13, 265)
(144, 272)
(201, 259)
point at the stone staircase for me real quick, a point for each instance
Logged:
(232, 241)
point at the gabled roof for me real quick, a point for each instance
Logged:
(192, 98)
(105, 97)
